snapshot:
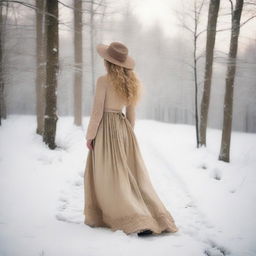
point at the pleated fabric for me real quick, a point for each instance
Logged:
(118, 192)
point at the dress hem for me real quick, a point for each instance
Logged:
(163, 222)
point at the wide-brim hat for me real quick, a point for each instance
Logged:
(116, 53)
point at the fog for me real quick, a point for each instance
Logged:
(162, 49)
(47, 159)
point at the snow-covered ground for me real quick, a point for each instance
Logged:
(41, 199)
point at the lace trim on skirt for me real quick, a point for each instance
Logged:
(130, 224)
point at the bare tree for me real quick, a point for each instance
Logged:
(52, 68)
(40, 70)
(230, 78)
(197, 13)
(78, 52)
(194, 30)
(92, 42)
(2, 71)
(93, 9)
(210, 42)
(1, 64)
(96, 8)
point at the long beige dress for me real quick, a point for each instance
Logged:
(118, 191)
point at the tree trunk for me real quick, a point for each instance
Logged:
(92, 43)
(1, 64)
(3, 113)
(40, 71)
(210, 42)
(195, 73)
(196, 93)
(230, 77)
(78, 52)
(52, 67)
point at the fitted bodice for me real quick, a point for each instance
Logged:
(105, 97)
(112, 99)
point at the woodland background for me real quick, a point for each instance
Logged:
(166, 63)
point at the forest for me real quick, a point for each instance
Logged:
(185, 86)
(195, 123)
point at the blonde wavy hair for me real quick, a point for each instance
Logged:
(125, 82)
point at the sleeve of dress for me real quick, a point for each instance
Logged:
(130, 114)
(96, 110)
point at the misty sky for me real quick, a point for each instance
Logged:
(164, 12)
(175, 77)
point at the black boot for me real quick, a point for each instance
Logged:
(145, 232)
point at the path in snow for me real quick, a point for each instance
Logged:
(188, 217)
(192, 224)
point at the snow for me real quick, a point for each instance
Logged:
(212, 202)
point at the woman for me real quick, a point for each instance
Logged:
(118, 191)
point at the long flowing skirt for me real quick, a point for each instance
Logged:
(118, 192)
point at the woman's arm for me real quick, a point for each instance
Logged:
(97, 108)
(130, 114)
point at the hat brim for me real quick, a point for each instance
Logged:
(102, 51)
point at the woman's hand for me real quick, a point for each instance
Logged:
(89, 144)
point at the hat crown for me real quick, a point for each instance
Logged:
(118, 51)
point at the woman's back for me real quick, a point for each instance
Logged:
(106, 98)
(112, 99)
